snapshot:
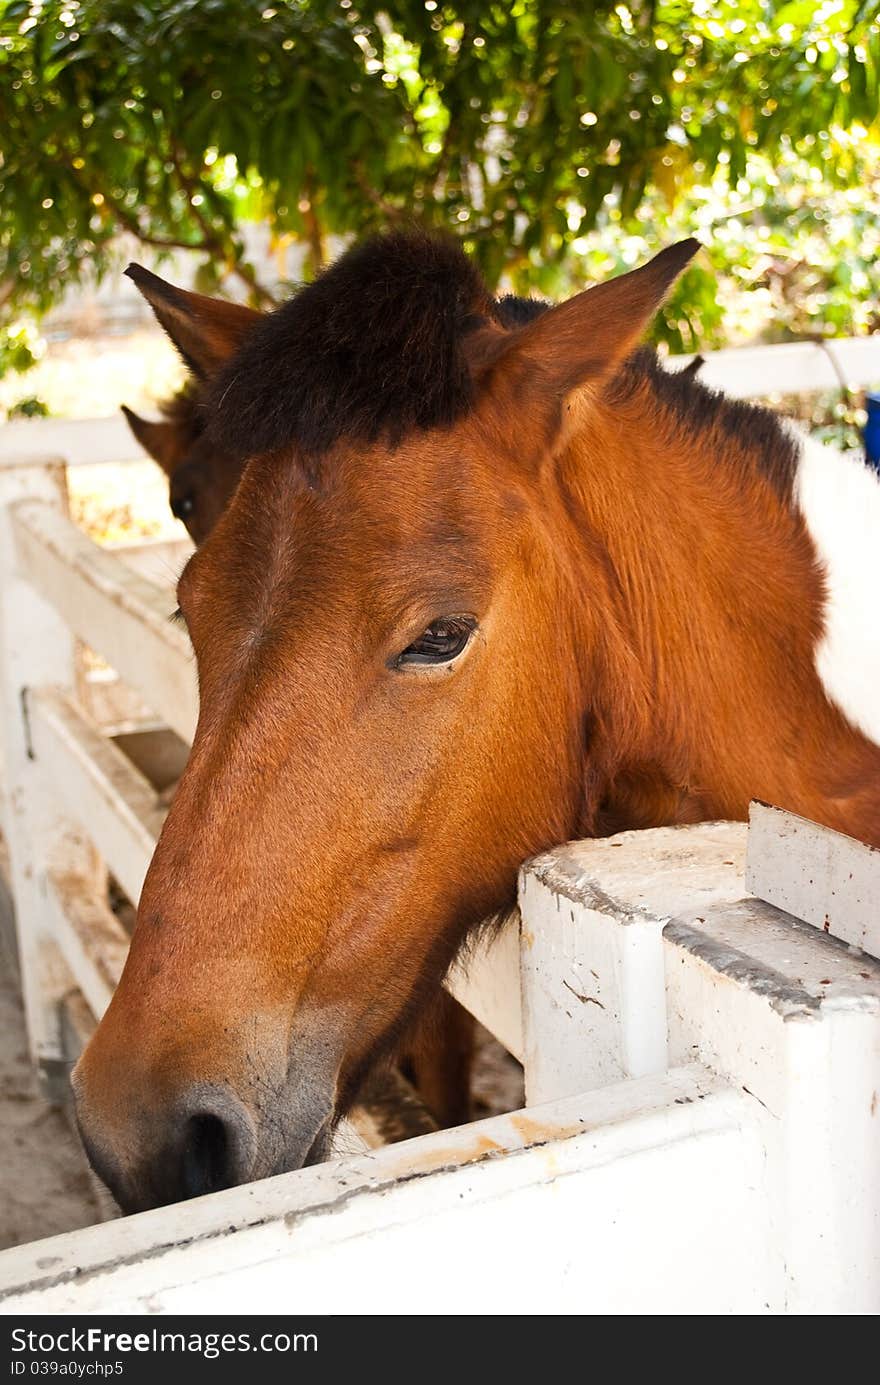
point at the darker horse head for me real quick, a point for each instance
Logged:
(201, 474)
(391, 715)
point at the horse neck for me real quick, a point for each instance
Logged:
(709, 600)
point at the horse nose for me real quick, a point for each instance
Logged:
(205, 1141)
(209, 1143)
(216, 1150)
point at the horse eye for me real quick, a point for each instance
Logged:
(443, 641)
(182, 506)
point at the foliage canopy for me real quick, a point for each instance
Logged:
(525, 125)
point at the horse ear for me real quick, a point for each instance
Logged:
(206, 331)
(158, 439)
(582, 341)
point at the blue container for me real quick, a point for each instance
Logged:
(872, 431)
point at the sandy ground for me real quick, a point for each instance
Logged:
(45, 1187)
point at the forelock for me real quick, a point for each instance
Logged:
(373, 348)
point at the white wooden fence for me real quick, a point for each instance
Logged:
(701, 1133)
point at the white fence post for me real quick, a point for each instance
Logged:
(593, 982)
(792, 1016)
(823, 877)
(36, 648)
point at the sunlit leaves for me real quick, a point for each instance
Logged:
(527, 126)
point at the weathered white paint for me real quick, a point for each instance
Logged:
(102, 790)
(35, 647)
(121, 615)
(793, 1017)
(592, 960)
(820, 876)
(553, 1210)
(91, 939)
(786, 1012)
(839, 497)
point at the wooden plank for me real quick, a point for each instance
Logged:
(80, 442)
(92, 940)
(485, 979)
(160, 561)
(103, 791)
(823, 877)
(116, 612)
(647, 1197)
(35, 647)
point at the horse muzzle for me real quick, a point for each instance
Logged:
(206, 1139)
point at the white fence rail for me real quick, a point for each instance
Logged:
(553, 1211)
(801, 367)
(701, 1132)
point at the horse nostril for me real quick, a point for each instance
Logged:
(209, 1158)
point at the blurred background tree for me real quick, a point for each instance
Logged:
(561, 142)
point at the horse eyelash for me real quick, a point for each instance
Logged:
(176, 617)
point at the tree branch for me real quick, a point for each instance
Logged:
(311, 223)
(388, 209)
(230, 252)
(127, 219)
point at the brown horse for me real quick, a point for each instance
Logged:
(437, 1054)
(479, 590)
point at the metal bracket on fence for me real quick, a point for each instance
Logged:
(26, 722)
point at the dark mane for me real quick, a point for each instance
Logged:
(511, 311)
(372, 348)
(695, 407)
(186, 411)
